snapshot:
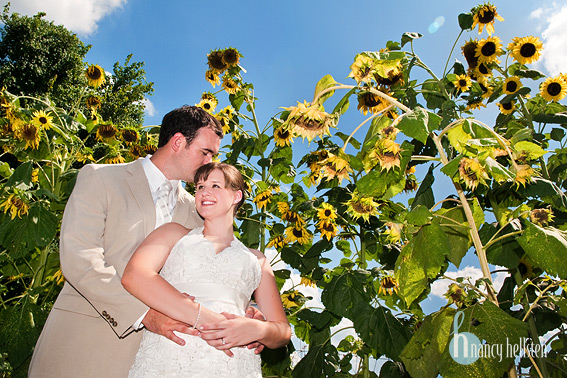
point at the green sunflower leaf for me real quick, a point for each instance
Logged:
(498, 171)
(457, 231)
(550, 118)
(22, 174)
(547, 247)
(428, 344)
(424, 195)
(529, 150)
(345, 292)
(506, 252)
(420, 261)
(530, 74)
(326, 82)
(343, 105)
(465, 21)
(419, 123)
(5, 170)
(410, 36)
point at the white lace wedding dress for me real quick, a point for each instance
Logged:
(220, 282)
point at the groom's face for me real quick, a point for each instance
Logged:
(200, 152)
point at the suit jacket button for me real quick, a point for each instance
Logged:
(104, 313)
(115, 324)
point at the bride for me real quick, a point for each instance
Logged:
(221, 273)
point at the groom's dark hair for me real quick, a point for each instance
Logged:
(187, 120)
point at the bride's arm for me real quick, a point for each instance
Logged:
(141, 278)
(238, 331)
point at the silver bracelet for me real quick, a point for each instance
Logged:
(198, 314)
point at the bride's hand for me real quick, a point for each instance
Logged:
(235, 331)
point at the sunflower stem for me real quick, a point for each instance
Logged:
(356, 129)
(451, 52)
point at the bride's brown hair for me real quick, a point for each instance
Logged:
(232, 177)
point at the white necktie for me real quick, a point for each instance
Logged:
(163, 212)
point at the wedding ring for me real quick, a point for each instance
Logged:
(223, 342)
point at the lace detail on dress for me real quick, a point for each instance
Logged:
(220, 282)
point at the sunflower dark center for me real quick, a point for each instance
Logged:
(488, 49)
(129, 136)
(107, 131)
(215, 60)
(284, 134)
(328, 213)
(29, 132)
(309, 124)
(43, 120)
(512, 86)
(507, 106)
(230, 56)
(554, 89)
(462, 83)
(297, 233)
(388, 283)
(362, 208)
(150, 149)
(371, 100)
(483, 69)
(486, 16)
(522, 268)
(527, 50)
(328, 227)
(207, 106)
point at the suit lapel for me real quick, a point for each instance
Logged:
(140, 189)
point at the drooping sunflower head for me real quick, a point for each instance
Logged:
(371, 102)
(293, 217)
(211, 97)
(106, 133)
(16, 204)
(29, 133)
(283, 207)
(150, 149)
(263, 198)
(511, 85)
(212, 77)
(328, 229)
(93, 102)
(526, 50)
(386, 153)
(388, 285)
(469, 52)
(223, 120)
(336, 166)
(472, 173)
(541, 217)
(389, 132)
(277, 242)
(95, 75)
(392, 76)
(216, 62)
(283, 137)
(487, 91)
(475, 103)
(231, 57)
(207, 105)
(129, 135)
(455, 294)
(393, 232)
(361, 207)
(230, 85)
(308, 282)
(482, 70)
(115, 159)
(524, 174)
(553, 88)
(362, 70)
(462, 83)
(326, 212)
(297, 233)
(484, 15)
(289, 299)
(526, 268)
(308, 121)
(86, 155)
(507, 107)
(42, 119)
(488, 50)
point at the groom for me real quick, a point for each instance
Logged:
(90, 332)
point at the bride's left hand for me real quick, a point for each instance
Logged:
(235, 331)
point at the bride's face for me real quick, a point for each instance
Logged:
(213, 198)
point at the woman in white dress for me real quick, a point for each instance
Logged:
(221, 273)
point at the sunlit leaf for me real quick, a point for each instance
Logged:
(546, 247)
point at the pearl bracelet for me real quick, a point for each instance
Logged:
(198, 314)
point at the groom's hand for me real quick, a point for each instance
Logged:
(254, 313)
(156, 322)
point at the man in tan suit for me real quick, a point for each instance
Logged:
(90, 331)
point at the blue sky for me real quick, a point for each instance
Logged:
(287, 46)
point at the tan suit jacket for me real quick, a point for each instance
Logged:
(89, 331)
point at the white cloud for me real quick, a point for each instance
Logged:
(80, 16)
(439, 287)
(149, 108)
(554, 37)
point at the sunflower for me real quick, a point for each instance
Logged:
(207, 105)
(16, 204)
(215, 61)
(336, 166)
(488, 50)
(392, 76)
(475, 103)
(388, 285)
(129, 135)
(487, 91)
(525, 268)
(85, 156)
(6, 108)
(230, 85)
(393, 232)
(472, 173)
(541, 217)
(455, 294)
(29, 133)
(361, 207)
(224, 122)
(42, 119)
(469, 52)
(283, 207)
(524, 175)
(411, 185)
(484, 15)
(553, 88)
(297, 233)
(386, 153)
(308, 121)
(263, 198)
(462, 83)
(307, 282)
(293, 217)
(283, 137)
(231, 57)
(370, 102)
(35, 175)
(288, 299)
(526, 50)
(327, 229)
(136, 151)
(106, 132)
(482, 71)
(228, 112)
(211, 97)
(277, 242)
(362, 70)
(326, 212)
(511, 85)
(117, 159)
(150, 149)
(389, 132)
(95, 75)
(507, 107)
(95, 118)
(93, 102)
(212, 77)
